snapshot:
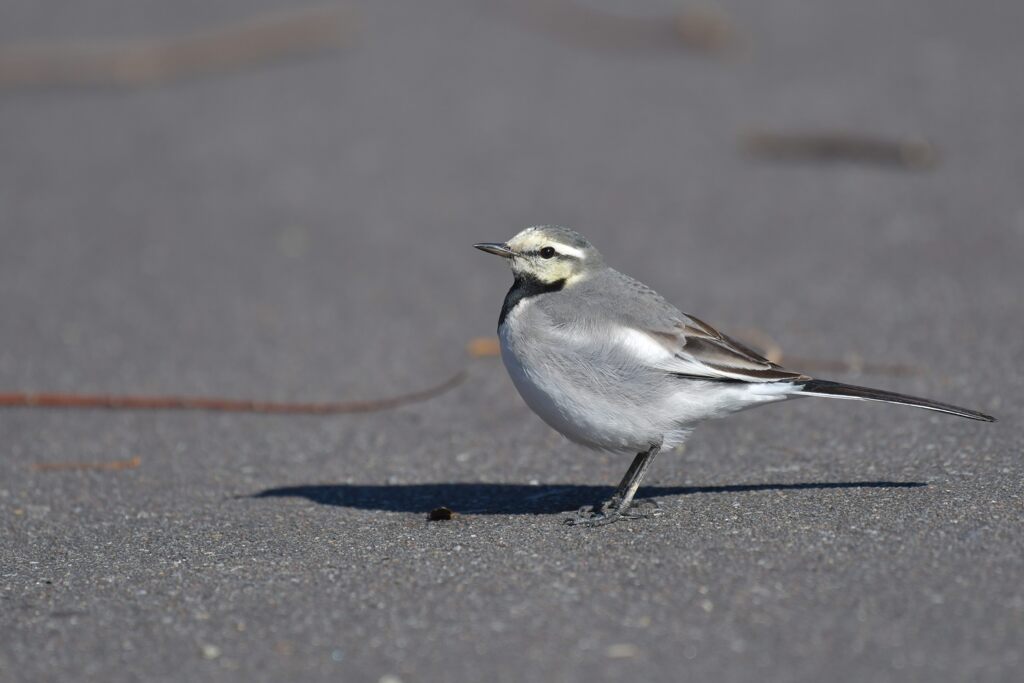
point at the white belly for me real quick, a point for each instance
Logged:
(580, 417)
(538, 395)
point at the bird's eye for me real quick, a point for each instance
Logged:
(547, 252)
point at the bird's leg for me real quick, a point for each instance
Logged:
(622, 499)
(618, 506)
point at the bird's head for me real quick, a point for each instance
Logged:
(547, 254)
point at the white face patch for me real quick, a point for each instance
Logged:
(570, 251)
(533, 240)
(563, 262)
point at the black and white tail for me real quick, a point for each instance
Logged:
(821, 387)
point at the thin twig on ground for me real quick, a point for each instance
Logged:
(697, 29)
(109, 466)
(851, 364)
(841, 147)
(94, 401)
(483, 347)
(147, 61)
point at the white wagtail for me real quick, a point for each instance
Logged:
(610, 364)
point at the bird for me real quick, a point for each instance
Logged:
(610, 364)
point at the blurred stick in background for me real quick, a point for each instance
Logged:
(697, 29)
(65, 400)
(148, 61)
(840, 147)
(850, 364)
(107, 466)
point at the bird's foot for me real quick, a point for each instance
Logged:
(611, 511)
(587, 516)
(644, 509)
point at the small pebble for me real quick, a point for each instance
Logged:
(621, 651)
(441, 514)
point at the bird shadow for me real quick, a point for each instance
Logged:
(518, 499)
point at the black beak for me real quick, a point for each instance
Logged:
(495, 248)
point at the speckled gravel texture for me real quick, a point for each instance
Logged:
(301, 231)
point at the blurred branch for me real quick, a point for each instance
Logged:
(839, 146)
(850, 364)
(27, 400)
(110, 466)
(483, 347)
(701, 30)
(760, 340)
(147, 61)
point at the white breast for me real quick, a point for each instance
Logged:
(581, 416)
(534, 382)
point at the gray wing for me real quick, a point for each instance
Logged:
(663, 336)
(699, 350)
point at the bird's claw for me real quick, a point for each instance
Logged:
(644, 509)
(587, 516)
(610, 512)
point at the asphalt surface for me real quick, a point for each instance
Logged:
(301, 231)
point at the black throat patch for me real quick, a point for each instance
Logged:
(523, 288)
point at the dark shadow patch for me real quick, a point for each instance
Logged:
(518, 499)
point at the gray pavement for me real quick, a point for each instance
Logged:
(301, 231)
